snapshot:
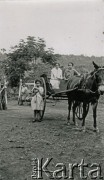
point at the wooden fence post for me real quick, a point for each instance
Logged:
(20, 87)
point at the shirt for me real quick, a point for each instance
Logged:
(70, 72)
(56, 73)
(24, 89)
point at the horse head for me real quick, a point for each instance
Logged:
(99, 76)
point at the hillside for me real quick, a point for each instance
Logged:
(80, 62)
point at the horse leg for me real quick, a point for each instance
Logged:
(69, 109)
(94, 107)
(75, 104)
(84, 116)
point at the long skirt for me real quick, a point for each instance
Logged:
(37, 102)
(55, 83)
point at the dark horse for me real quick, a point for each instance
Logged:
(89, 90)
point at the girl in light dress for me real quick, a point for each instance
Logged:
(37, 103)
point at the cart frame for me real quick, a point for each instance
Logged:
(60, 94)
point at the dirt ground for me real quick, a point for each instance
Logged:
(21, 140)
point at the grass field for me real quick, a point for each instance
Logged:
(21, 140)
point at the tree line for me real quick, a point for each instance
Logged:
(25, 56)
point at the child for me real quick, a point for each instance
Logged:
(37, 100)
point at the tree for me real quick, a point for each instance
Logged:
(3, 62)
(25, 55)
(48, 56)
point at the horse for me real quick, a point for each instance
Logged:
(89, 90)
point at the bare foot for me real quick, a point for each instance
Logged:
(68, 123)
(84, 129)
(34, 120)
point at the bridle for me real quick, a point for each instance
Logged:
(93, 75)
(96, 71)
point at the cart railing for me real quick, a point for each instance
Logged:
(20, 94)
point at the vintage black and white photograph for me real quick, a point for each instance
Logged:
(51, 89)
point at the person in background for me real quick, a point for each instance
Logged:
(70, 72)
(23, 88)
(37, 104)
(23, 91)
(56, 76)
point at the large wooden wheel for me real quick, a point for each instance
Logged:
(79, 111)
(44, 97)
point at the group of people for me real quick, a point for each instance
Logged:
(56, 76)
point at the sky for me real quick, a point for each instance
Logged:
(69, 26)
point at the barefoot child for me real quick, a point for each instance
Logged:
(37, 100)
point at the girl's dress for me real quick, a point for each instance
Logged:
(37, 100)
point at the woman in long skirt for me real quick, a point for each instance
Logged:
(37, 100)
